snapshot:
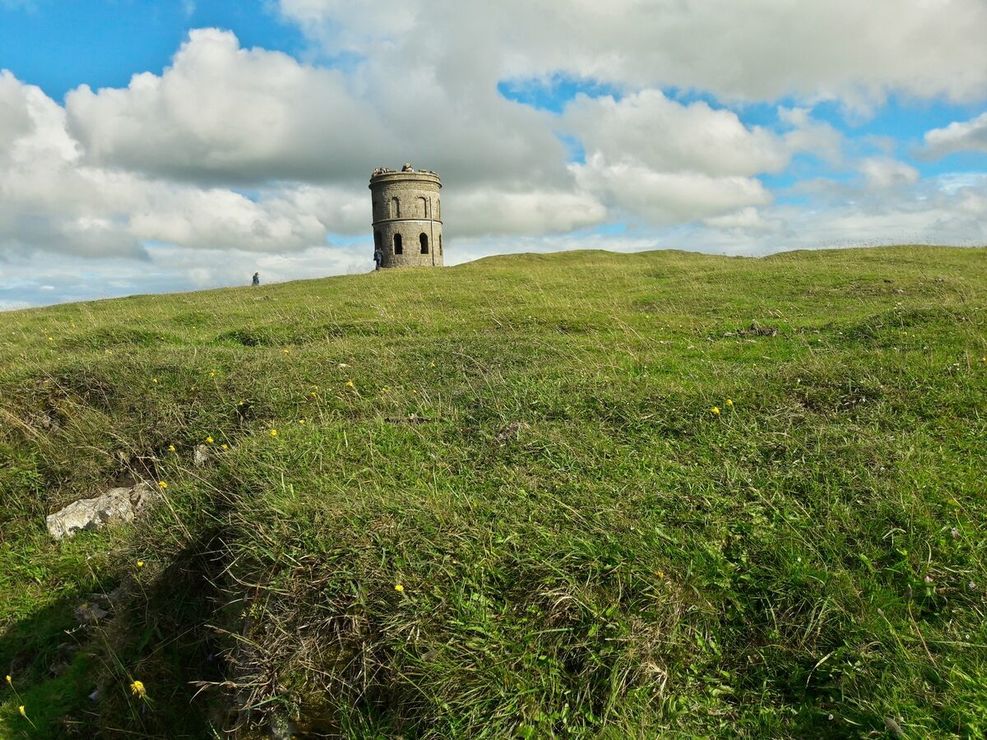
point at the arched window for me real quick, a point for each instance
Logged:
(423, 240)
(398, 249)
(395, 208)
(423, 202)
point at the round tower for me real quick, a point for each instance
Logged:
(407, 217)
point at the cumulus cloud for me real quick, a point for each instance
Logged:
(666, 197)
(883, 172)
(15, 121)
(482, 211)
(668, 136)
(756, 50)
(221, 113)
(947, 210)
(957, 137)
(667, 162)
(52, 198)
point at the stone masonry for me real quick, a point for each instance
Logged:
(407, 216)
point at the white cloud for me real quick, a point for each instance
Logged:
(756, 50)
(221, 113)
(484, 211)
(884, 172)
(746, 220)
(656, 159)
(666, 197)
(942, 210)
(668, 136)
(51, 198)
(957, 137)
(15, 121)
(806, 134)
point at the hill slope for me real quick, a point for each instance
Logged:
(574, 494)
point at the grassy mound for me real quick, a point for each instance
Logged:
(580, 494)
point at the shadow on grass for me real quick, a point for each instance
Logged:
(51, 665)
(75, 681)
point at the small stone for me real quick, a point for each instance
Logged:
(201, 456)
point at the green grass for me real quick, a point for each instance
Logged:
(526, 445)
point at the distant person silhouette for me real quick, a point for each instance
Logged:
(256, 279)
(378, 256)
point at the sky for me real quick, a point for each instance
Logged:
(167, 145)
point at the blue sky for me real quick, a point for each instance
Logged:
(61, 44)
(246, 141)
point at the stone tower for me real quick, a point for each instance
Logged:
(407, 217)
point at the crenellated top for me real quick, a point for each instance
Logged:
(383, 175)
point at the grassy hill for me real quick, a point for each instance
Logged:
(581, 494)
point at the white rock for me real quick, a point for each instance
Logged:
(116, 505)
(201, 456)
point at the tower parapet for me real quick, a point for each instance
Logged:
(407, 213)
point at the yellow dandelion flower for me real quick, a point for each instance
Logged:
(10, 681)
(140, 564)
(301, 421)
(286, 350)
(715, 411)
(171, 448)
(349, 384)
(209, 440)
(728, 403)
(224, 447)
(154, 380)
(51, 339)
(162, 484)
(273, 432)
(212, 373)
(21, 710)
(399, 588)
(138, 690)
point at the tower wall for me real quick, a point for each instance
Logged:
(406, 204)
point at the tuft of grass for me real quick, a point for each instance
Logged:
(494, 500)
